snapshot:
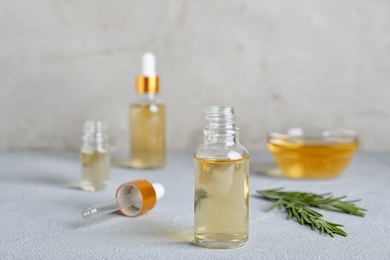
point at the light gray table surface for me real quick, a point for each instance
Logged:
(40, 213)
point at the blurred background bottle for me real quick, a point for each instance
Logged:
(147, 120)
(95, 157)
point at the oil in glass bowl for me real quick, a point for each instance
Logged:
(312, 152)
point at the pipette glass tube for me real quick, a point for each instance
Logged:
(132, 199)
(107, 207)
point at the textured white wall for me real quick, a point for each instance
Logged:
(280, 63)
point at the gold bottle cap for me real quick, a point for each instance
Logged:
(145, 196)
(147, 84)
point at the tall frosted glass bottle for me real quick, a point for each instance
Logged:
(221, 183)
(147, 120)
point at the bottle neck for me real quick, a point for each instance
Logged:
(147, 97)
(226, 140)
(221, 128)
(95, 135)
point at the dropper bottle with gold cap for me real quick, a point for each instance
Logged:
(147, 119)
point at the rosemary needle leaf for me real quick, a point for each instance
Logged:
(317, 225)
(322, 230)
(327, 229)
(290, 215)
(295, 214)
(304, 216)
(275, 204)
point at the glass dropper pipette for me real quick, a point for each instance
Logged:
(132, 199)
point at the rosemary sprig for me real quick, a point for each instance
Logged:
(297, 203)
(199, 194)
(324, 201)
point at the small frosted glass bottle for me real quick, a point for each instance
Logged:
(221, 183)
(147, 120)
(95, 157)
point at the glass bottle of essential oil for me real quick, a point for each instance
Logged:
(147, 120)
(95, 157)
(221, 183)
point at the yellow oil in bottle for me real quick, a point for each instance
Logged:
(147, 135)
(221, 202)
(95, 169)
(301, 160)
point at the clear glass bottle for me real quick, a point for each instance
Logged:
(147, 120)
(221, 183)
(95, 157)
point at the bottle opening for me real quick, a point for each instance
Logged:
(95, 127)
(219, 117)
(95, 135)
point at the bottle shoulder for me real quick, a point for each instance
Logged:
(146, 99)
(148, 104)
(233, 152)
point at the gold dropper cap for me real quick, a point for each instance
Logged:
(147, 84)
(145, 192)
(148, 81)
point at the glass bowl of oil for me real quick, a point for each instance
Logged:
(312, 152)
